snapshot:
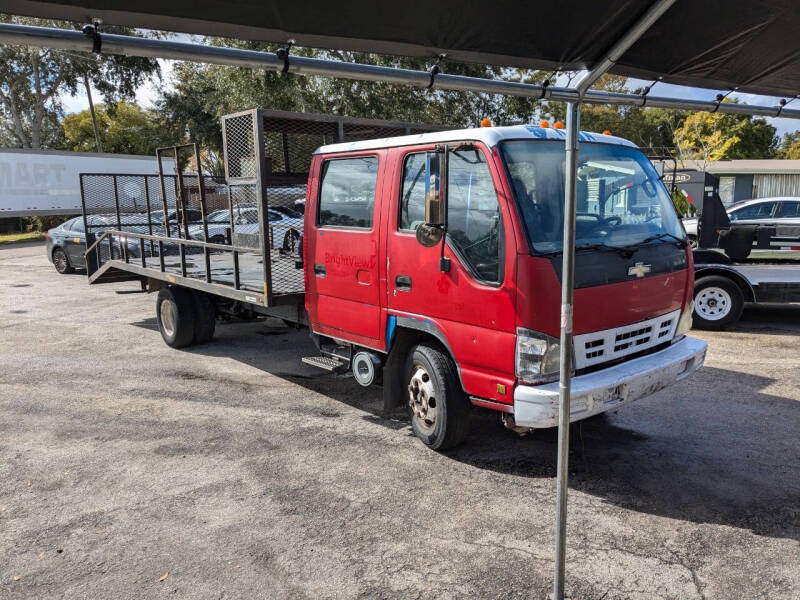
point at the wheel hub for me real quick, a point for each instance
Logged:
(422, 398)
(167, 312)
(713, 303)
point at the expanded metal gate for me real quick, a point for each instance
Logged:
(267, 159)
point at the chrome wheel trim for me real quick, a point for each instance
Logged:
(713, 303)
(422, 399)
(167, 313)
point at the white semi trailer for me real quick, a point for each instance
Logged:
(46, 182)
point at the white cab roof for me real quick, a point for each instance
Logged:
(491, 136)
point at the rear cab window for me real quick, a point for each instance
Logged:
(347, 192)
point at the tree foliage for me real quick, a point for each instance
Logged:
(716, 136)
(790, 146)
(32, 79)
(124, 128)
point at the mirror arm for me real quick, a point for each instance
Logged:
(444, 262)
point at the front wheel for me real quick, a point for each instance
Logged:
(439, 407)
(718, 302)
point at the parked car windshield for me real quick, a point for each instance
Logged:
(620, 199)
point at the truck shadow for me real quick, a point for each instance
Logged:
(770, 319)
(714, 449)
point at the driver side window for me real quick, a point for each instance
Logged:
(474, 223)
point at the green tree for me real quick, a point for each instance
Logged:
(31, 80)
(202, 94)
(124, 128)
(790, 146)
(715, 136)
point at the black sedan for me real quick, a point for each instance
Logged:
(66, 245)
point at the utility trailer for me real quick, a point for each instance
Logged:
(739, 264)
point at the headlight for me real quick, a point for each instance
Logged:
(685, 322)
(537, 357)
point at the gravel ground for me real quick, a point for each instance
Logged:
(230, 470)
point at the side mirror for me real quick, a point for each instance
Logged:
(431, 231)
(434, 190)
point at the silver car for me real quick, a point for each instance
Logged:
(285, 227)
(762, 211)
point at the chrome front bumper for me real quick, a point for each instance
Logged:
(537, 406)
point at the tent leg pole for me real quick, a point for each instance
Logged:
(567, 292)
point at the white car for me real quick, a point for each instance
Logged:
(285, 229)
(762, 211)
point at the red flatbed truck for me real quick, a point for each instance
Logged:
(431, 265)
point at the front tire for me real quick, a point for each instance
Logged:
(718, 303)
(439, 407)
(176, 316)
(61, 262)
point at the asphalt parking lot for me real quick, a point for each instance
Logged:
(230, 470)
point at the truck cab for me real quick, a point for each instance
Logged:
(435, 261)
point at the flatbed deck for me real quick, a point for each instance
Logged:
(233, 272)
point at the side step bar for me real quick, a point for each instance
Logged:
(326, 363)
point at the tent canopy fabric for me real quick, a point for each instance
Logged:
(751, 45)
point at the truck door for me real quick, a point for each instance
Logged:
(472, 304)
(343, 249)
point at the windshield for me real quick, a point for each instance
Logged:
(620, 200)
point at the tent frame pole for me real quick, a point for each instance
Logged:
(68, 39)
(568, 278)
(565, 376)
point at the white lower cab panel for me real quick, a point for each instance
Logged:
(537, 406)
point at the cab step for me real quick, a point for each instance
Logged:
(326, 363)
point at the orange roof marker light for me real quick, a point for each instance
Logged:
(544, 124)
(558, 125)
(607, 132)
(485, 122)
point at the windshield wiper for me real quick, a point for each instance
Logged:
(622, 251)
(659, 236)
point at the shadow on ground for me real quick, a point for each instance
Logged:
(692, 452)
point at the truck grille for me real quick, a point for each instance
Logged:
(610, 344)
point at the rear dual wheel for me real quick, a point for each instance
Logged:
(184, 316)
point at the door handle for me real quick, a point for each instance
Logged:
(403, 282)
(319, 270)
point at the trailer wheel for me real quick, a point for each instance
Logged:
(439, 407)
(205, 318)
(176, 316)
(718, 302)
(61, 262)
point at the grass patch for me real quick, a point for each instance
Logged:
(11, 238)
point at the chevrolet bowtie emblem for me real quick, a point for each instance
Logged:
(639, 269)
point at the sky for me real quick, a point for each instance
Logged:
(147, 94)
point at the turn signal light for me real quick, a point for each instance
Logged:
(558, 125)
(607, 132)
(544, 124)
(486, 122)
